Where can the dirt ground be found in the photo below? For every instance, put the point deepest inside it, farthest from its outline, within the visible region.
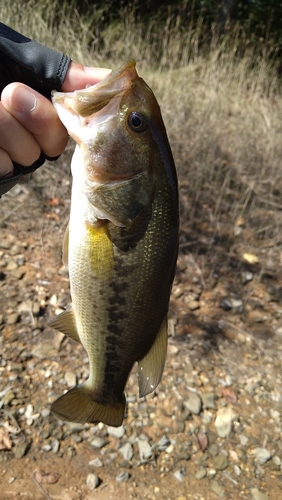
(211, 430)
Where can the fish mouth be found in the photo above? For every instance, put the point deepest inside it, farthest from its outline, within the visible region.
(91, 100)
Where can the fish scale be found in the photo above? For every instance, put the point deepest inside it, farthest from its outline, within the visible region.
(121, 244)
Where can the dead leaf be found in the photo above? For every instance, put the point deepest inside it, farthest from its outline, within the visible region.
(46, 477)
(5, 441)
(229, 395)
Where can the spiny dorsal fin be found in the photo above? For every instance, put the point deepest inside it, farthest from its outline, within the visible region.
(65, 323)
(150, 368)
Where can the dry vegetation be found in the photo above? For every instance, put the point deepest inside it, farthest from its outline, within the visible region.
(222, 112)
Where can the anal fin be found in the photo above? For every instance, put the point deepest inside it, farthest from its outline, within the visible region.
(65, 323)
(150, 368)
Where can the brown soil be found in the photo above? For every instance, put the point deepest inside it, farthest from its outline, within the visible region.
(225, 339)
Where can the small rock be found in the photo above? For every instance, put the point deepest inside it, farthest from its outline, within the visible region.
(92, 481)
(262, 455)
(126, 451)
(12, 319)
(243, 439)
(237, 470)
(217, 488)
(163, 443)
(70, 378)
(8, 397)
(179, 474)
(74, 427)
(194, 403)
(247, 276)
(193, 305)
(208, 400)
(116, 432)
(55, 445)
(201, 473)
(211, 473)
(223, 421)
(98, 442)
(21, 449)
(258, 495)
(123, 476)
(96, 462)
(220, 461)
(145, 450)
(47, 447)
(12, 265)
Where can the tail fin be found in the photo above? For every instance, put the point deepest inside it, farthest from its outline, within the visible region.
(78, 405)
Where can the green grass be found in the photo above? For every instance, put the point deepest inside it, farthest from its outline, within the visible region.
(222, 112)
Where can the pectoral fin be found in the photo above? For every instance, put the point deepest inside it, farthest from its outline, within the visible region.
(65, 323)
(150, 368)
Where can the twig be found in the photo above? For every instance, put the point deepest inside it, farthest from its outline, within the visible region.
(41, 488)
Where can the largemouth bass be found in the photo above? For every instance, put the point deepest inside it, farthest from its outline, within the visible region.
(121, 244)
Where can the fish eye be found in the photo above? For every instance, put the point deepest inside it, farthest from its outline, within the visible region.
(137, 122)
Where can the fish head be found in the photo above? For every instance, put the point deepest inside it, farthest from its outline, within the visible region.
(114, 124)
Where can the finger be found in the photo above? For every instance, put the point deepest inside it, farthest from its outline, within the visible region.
(78, 76)
(17, 142)
(37, 114)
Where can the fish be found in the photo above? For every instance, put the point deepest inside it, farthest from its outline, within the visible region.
(121, 243)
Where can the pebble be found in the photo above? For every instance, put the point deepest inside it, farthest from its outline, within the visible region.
(223, 421)
(74, 427)
(123, 476)
(145, 450)
(201, 473)
(193, 305)
(70, 378)
(98, 442)
(243, 439)
(92, 481)
(262, 455)
(116, 432)
(258, 495)
(211, 473)
(55, 445)
(220, 461)
(217, 488)
(179, 474)
(21, 449)
(126, 451)
(96, 462)
(208, 400)
(12, 318)
(193, 403)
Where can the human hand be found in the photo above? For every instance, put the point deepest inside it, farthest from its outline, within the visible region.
(29, 123)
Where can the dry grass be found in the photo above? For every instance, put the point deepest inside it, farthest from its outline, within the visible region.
(222, 112)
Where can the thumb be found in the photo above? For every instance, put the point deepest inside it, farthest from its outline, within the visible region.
(78, 76)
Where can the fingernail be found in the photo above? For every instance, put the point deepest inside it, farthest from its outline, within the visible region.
(22, 100)
(97, 72)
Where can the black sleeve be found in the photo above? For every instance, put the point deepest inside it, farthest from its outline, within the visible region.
(43, 69)
(29, 62)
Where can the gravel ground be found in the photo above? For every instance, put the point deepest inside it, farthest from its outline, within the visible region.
(211, 430)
